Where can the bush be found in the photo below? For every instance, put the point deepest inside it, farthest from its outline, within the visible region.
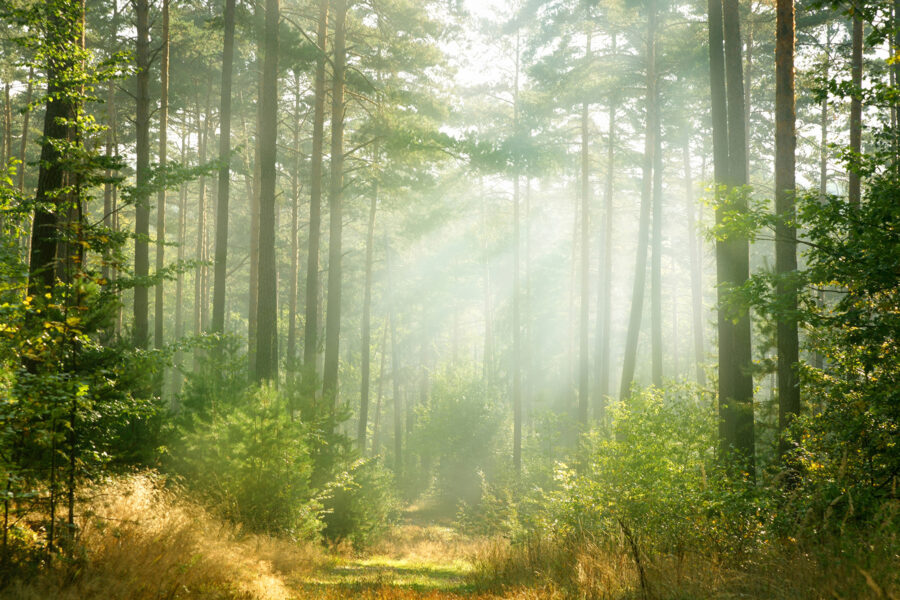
(360, 505)
(252, 464)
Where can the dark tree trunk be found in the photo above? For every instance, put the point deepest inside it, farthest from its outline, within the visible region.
(202, 142)
(267, 304)
(311, 325)
(785, 233)
(221, 266)
(142, 155)
(735, 357)
(23, 147)
(335, 203)
(295, 240)
(179, 280)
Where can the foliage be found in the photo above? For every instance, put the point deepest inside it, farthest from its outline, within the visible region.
(251, 462)
(360, 505)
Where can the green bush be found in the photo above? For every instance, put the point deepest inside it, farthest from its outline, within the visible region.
(360, 504)
(252, 464)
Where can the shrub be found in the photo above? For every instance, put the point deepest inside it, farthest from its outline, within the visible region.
(360, 505)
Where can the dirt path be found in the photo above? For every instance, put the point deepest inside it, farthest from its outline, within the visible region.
(417, 561)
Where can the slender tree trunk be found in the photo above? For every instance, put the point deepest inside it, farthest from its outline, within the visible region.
(735, 356)
(311, 325)
(295, 240)
(376, 434)
(696, 266)
(395, 369)
(366, 328)
(335, 202)
(7, 126)
(267, 304)
(221, 266)
(584, 317)
(159, 315)
(202, 142)
(108, 209)
(640, 268)
(142, 154)
(748, 77)
(856, 60)
(604, 292)
(785, 233)
(656, 343)
(515, 369)
(488, 358)
(179, 281)
(23, 147)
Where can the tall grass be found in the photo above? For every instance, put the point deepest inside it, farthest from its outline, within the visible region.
(137, 541)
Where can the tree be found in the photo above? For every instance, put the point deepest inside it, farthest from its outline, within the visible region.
(142, 170)
(221, 270)
(335, 203)
(785, 233)
(159, 316)
(266, 366)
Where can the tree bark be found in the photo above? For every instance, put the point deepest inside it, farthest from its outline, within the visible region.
(221, 264)
(311, 326)
(142, 156)
(295, 240)
(267, 304)
(656, 343)
(367, 329)
(202, 142)
(159, 315)
(584, 317)
(335, 202)
(640, 268)
(696, 265)
(785, 233)
(23, 147)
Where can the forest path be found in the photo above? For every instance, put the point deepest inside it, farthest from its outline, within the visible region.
(423, 558)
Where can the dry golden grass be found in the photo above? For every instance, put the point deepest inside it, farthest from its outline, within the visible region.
(544, 570)
(142, 542)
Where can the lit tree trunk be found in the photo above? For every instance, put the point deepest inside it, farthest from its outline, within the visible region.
(656, 350)
(376, 434)
(142, 154)
(856, 59)
(295, 231)
(696, 267)
(395, 369)
(108, 208)
(785, 233)
(202, 140)
(488, 358)
(640, 268)
(159, 316)
(7, 127)
(366, 328)
(179, 281)
(516, 317)
(335, 202)
(221, 266)
(267, 303)
(311, 325)
(584, 317)
(604, 293)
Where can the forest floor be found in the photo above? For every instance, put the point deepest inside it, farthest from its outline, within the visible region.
(425, 557)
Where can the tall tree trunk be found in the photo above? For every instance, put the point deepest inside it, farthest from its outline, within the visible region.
(487, 372)
(267, 304)
(295, 232)
(376, 434)
(735, 356)
(159, 315)
(604, 292)
(311, 325)
(584, 317)
(221, 266)
(640, 268)
(142, 156)
(515, 369)
(202, 142)
(179, 280)
(395, 368)
(785, 233)
(23, 145)
(856, 60)
(656, 343)
(108, 209)
(696, 265)
(7, 127)
(366, 329)
(335, 203)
